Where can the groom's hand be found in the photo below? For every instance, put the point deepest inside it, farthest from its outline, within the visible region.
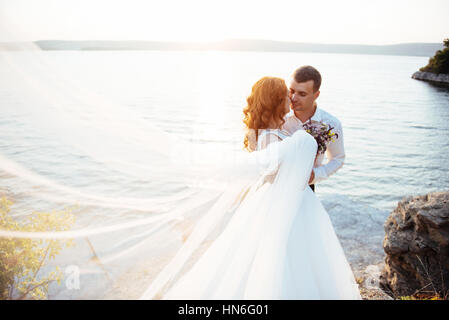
(312, 176)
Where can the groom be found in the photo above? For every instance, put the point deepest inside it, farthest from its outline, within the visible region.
(303, 92)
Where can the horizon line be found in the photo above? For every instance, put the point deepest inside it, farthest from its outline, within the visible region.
(233, 39)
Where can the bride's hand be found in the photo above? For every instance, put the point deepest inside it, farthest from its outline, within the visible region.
(312, 176)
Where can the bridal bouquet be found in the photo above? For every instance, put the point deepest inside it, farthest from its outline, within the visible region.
(322, 133)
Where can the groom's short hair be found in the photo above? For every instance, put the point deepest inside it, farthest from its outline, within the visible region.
(306, 73)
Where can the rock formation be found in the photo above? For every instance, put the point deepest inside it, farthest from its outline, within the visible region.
(431, 77)
(416, 244)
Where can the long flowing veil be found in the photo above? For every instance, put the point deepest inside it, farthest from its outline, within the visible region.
(124, 242)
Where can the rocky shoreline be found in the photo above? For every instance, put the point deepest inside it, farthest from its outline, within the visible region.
(416, 252)
(417, 246)
(431, 77)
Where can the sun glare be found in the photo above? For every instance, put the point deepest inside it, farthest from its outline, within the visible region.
(321, 21)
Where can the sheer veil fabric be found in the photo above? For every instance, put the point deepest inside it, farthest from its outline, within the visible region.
(116, 237)
(224, 234)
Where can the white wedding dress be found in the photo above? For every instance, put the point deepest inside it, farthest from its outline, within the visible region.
(278, 244)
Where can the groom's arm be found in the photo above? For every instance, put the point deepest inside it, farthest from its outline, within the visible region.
(335, 154)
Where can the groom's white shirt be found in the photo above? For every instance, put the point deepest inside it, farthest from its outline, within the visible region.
(335, 152)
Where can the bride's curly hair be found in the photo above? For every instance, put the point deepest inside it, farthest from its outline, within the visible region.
(266, 102)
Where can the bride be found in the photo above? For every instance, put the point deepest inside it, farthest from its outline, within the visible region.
(279, 242)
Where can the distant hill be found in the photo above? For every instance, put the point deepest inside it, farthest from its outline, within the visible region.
(405, 49)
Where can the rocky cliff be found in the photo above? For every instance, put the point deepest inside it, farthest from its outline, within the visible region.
(416, 244)
(431, 77)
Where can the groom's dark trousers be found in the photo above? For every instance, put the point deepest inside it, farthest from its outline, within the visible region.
(312, 186)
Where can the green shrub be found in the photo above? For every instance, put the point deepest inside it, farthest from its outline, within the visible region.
(439, 63)
(21, 259)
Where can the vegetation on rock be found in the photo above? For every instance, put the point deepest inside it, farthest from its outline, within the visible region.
(439, 63)
(22, 260)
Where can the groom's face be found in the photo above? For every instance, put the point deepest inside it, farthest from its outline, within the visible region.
(302, 96)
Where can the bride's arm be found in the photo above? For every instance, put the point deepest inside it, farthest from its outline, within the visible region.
(297, 153)
(267, 139)
(270, 174)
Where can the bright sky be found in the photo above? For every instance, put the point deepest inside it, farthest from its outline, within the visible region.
(318, 21)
